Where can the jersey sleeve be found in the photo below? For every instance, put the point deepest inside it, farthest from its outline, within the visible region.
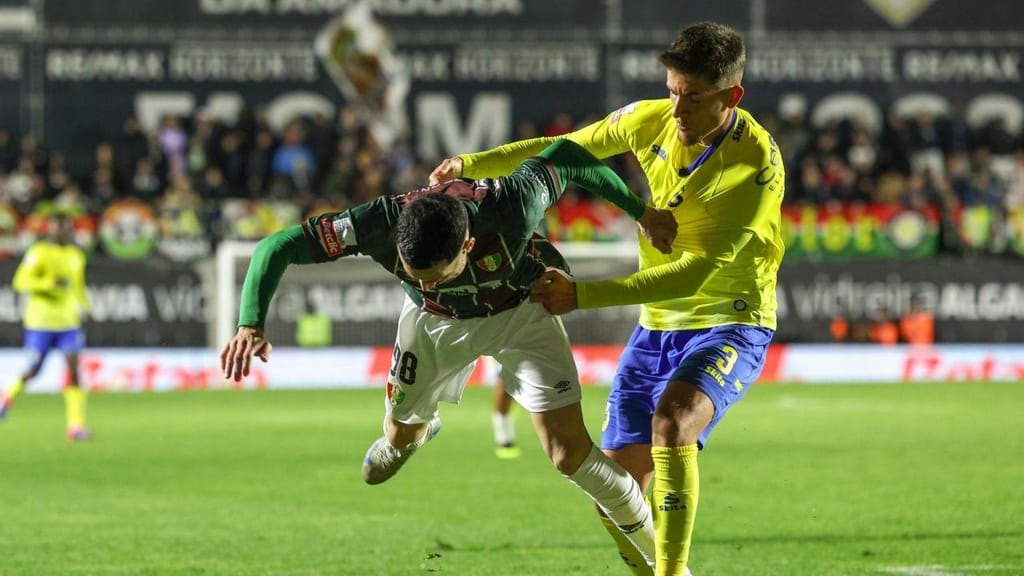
(607, 137)
(573, 163)
(526, 194)
(611, 135)
(365, 229)
(271, 258)
(31, 274)
(502, 160)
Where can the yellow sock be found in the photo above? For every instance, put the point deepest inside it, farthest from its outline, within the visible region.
(13, 389)
(629, 554)
(676, 488)
(74, 405)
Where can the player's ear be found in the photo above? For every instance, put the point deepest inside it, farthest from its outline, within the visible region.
(467, 246)
(735, 95)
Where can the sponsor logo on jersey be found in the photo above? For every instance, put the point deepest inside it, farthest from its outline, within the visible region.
(659, 151)
(738, 132)
(395, 394)
(627, 109)
(490, 262)
(330, 238)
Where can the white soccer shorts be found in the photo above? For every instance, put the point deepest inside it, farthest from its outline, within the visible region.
(434, 358)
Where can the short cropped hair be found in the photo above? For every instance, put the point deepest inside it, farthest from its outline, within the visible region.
(710, 51)
(430, 229)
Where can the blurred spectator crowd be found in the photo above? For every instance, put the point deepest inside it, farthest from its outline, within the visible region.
(330, 163)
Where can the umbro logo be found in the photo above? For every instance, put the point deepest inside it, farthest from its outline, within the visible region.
(563, 386)
(671, 503)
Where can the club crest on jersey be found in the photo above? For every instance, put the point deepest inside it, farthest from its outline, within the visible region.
(395, 394)
(490, 263)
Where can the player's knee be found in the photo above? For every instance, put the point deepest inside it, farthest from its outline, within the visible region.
(674, 429)
(567, 458)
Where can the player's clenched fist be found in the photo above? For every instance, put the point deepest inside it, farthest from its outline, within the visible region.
(448, 168)
(659, 227)
(555, 291)
(236, 358)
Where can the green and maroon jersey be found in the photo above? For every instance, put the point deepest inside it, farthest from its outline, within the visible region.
(503, 215)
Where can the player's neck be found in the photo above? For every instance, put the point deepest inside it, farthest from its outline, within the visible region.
(710, 136)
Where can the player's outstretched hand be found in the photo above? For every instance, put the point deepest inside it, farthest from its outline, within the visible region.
(659, 227)
(555, 291)
(236, 358)
(448, 168)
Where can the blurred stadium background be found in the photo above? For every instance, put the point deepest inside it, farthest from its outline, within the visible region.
(178, 133)
(173, 133)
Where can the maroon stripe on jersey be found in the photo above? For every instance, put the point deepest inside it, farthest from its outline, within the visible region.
(474, 191)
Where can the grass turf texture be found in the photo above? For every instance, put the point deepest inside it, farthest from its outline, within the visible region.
(798, 480)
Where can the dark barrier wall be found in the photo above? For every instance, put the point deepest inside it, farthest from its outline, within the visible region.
(972, 301)
(134, 304)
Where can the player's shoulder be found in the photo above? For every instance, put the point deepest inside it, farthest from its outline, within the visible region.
(750, 134)
(39, 249)
(641, 112)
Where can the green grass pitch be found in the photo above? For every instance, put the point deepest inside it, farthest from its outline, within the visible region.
(798, 481)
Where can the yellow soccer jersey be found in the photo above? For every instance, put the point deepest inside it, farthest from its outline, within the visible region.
(53, 276)
(725, 260)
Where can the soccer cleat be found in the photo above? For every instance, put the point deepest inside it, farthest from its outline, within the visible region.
(383, 460)
(78, 434)
(508, 451)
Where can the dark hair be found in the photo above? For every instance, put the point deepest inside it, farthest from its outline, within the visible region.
(710, 51)
(430, 229)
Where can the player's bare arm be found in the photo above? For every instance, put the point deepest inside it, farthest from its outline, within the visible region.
(236, 358)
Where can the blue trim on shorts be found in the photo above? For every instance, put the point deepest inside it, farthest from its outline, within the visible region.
(723, 362)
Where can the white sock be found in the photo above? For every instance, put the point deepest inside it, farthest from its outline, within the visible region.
(504, 428)
(615, 491)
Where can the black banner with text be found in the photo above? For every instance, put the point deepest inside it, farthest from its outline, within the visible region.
(134, 304)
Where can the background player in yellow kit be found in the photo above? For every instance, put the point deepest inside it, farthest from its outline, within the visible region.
(708, 310)
(52, 274)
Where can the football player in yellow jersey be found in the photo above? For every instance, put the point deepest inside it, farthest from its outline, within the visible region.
(52, 274)
(708, 308)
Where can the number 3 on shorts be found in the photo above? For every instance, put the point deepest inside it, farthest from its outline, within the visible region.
(724, 364)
